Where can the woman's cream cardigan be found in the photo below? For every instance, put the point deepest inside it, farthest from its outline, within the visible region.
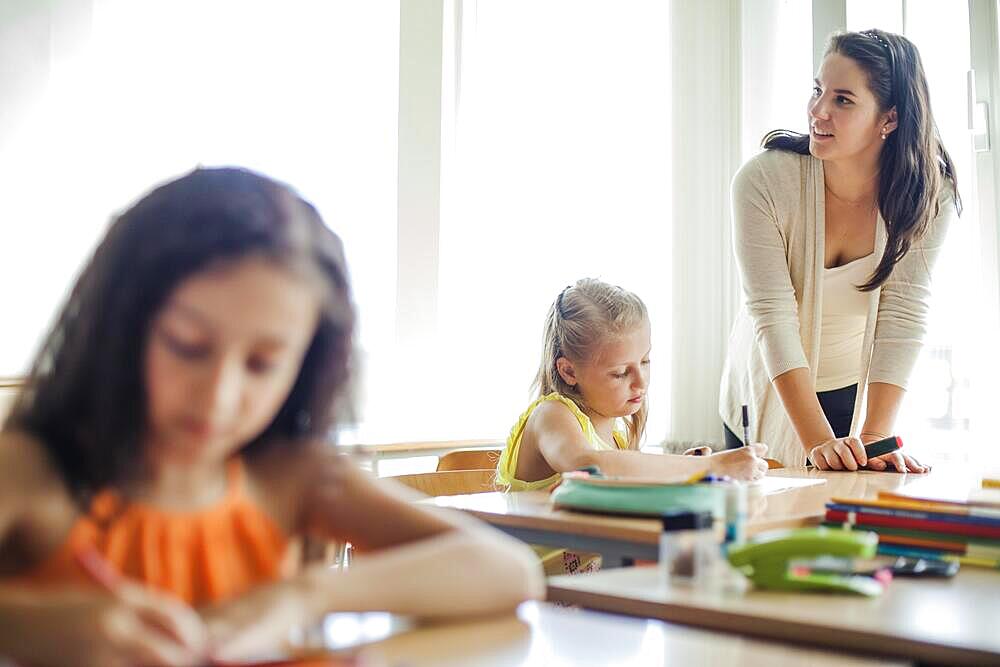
(778, 228)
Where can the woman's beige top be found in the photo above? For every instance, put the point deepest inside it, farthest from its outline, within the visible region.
(778, 229)
(842, 332)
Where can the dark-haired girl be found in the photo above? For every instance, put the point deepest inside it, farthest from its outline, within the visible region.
(835, 234)
(171, 436)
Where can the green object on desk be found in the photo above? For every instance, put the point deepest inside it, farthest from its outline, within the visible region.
(609, 496)
(765, 559)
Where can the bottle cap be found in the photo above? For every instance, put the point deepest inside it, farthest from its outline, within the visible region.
(685, 520)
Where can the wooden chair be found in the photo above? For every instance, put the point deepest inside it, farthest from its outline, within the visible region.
(8, 392)
(447, 483)
(469, 459)
(450, 482)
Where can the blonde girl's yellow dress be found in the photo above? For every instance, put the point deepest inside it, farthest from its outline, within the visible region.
(555, 561)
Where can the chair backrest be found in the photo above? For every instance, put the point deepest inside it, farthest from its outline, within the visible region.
(450, 482)
(8, 392)
(469, 459)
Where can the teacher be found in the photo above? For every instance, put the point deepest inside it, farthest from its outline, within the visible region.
(835, 234)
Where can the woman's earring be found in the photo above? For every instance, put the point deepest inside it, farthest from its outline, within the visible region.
(883, 134)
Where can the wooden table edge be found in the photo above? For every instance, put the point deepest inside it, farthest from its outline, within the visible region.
(446, 445)
(783, 630)
(559, 525)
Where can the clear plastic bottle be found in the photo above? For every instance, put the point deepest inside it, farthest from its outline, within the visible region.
(736, 514)
(689, 549)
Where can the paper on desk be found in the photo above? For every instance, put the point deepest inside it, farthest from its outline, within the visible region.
(769, 485)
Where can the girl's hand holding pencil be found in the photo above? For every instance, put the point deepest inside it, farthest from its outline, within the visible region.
(742, 463)
(143, 627)
(126, 625)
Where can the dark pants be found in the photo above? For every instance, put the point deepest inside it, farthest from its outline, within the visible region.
(838, 406)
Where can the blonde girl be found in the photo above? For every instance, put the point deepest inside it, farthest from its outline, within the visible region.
(592, 379)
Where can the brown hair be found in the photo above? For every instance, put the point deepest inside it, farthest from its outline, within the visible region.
(85, 396)
(913, 166)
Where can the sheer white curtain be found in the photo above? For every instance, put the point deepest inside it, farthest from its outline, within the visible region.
(560, 169)
(948, 410)
(595, 139)
(706, 127)
(104, 98)
(777, 68)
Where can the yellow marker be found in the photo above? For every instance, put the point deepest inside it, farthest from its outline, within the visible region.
(697, 477)
(991, 483)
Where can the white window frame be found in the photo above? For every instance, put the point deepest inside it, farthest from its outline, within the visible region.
(985, 84)
(421, 37)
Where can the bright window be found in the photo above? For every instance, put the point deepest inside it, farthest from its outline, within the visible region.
(777, 69)
(561, 170)
(138, 92)
(940, 414)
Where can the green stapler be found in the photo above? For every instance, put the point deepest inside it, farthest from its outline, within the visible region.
(795, 560)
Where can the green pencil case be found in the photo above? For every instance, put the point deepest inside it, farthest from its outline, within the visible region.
(606, 495)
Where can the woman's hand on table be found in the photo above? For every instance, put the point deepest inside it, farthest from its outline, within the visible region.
(895, 461)
(839, 454)
(849, 454)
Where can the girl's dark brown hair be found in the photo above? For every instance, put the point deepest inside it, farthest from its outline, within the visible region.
(85, 396)
(914, 165)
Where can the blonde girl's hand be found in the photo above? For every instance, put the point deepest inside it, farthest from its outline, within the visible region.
(839, 454)
(257, 622)
(744, 463)
(130, 626)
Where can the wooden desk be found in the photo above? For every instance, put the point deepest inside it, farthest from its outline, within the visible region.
(544, 634)
(951, 622)
(11, 382)
(7, 397)
(529, 516)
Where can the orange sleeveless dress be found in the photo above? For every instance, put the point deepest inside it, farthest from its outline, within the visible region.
(200, 557)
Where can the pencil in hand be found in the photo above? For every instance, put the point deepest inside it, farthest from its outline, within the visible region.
(134, 594)
(99, 570)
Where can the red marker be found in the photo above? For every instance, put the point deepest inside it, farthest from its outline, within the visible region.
(883, 446)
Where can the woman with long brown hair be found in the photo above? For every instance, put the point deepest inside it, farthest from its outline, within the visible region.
(835, 234)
